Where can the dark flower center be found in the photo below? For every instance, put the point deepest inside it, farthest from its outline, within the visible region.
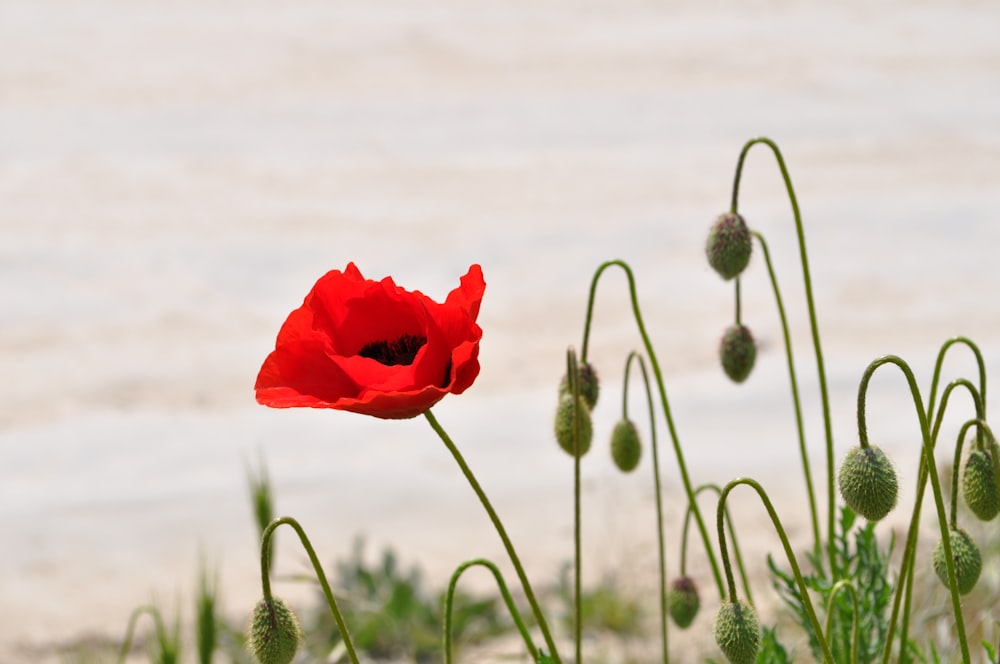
(392, 353)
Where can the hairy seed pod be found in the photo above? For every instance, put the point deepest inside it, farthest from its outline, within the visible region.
(965, 555)
(979, 485)
(589, 385)
(868, 482)
(565, 414)
(737, 351)
(737, 632)
(682, 601)
(729, 245)
(275, 633)
(625, 446)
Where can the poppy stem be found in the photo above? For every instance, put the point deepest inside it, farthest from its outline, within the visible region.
(501, 531)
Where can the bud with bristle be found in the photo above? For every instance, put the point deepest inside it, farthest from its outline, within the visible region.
(729, 245)
(737, 632)
(966, 558)
(738, 351)
(566, 412)
(979, 485)
(683, 602)
(625, 446)
(868, 482)
(275, 633)
(589, 384)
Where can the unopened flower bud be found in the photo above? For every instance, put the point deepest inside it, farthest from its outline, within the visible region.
(737, 632)
(625, 446)
(737, 352)
(965, 556)
(979, 485)
(868, 482)
(275, 633)
(682, 601)
(729, 244)
(565, 433)
(589, 384)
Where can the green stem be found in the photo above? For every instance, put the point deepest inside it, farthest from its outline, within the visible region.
(501, 531)
(657, 491)
(655, 365)
(504, 592)
(732, 534)
(130, 629)
(904, 583)
(265, 576)
(845, 584)
(807, 281)
(573, 374)
(928, 454)
(803, 590)
(796, 401)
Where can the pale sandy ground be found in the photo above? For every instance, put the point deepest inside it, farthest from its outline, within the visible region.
(174, 176)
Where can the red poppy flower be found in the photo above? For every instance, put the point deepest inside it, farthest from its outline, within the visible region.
(372, 347)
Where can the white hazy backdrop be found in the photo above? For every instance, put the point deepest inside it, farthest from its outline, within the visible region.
(175, 176)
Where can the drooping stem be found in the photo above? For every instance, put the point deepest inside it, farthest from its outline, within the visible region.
(732, 534)
(780, 530)
(501, 531)
(133, 619)
(504, 592)
(814, 325)
(265, 576)
(658, 375)
(796, 401)
(657, 491)
(904, 583)
(928, 454)
(845, 585)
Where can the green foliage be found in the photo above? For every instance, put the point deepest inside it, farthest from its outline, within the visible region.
(771, 650)
(605, 607)
(868, 569)
(206, 621)
(390, 615)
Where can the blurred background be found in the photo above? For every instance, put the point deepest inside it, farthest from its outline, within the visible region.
(175, 176)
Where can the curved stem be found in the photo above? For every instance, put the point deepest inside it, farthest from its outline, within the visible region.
(928, 454)
(732, 534)
(940, 361)
(796, 401)
(807, 282)
(657, 491)
(845, 584)
(803, 590)
(658, 374)
(904, 583)
(501, 531)
(504, 592)
(130, 629)
(265, 576)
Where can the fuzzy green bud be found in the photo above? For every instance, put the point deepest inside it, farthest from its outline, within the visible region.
(682, 601)
(625, 446)
(979, 485)
(729, 245)
(966, 558)
(589, 384)
(737, 632)
(737, 351)
(868, 482)
(275, 633)
(566, 412)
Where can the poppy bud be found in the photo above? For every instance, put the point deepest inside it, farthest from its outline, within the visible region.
(868, 482)
(737, 352)
(274, 632)
(589, 386)
(625, 446)
(729, 244)
(737, 632)
(965, 555)
(979, 485)
(565, 414)
(682, 601)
